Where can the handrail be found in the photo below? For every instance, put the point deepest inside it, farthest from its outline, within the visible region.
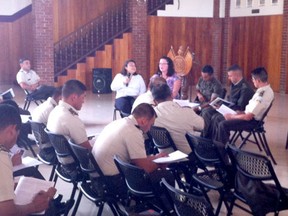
(154, 5)
(83, 42)
(90, 37)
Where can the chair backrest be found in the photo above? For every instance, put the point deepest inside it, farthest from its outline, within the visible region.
(41, 136)
(137, 180)
(185, 204)
(252, 165)
(261, 122)
(87, 162)
(162, 138)
(259, 174)
(204, 149)
(62, 148)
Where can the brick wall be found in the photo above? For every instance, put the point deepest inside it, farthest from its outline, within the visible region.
(225, 42)
(138, 16)
(216, 49)
(284, 62)
(43, 60)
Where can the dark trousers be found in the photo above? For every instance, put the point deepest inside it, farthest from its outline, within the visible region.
(43, 92)
(207, 115)
(124, 104)
(222, 132)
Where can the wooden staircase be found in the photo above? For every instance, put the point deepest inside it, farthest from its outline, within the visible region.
(115, 49)
(113, 56)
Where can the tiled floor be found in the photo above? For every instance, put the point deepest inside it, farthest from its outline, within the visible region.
(98, 111)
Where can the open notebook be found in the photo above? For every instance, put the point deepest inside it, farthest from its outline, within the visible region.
(9, 94)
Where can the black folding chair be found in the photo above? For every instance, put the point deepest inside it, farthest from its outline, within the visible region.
(140, 186)
(162, 139)
(29, 98)
(186, 204)
(258, 131)
(68, 168)
(258, 171)
(216, 175)
(90, 167)
(47, 153)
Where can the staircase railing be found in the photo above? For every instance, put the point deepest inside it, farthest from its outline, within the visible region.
(83, 42)
(91, 37)
(154, 5)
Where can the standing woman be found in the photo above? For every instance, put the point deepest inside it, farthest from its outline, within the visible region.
(166, 70)
(128, 84)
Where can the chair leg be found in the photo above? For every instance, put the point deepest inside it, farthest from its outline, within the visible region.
(77, 203)
(52, 173)
(26, 104)
(265, 145)
(286, 147)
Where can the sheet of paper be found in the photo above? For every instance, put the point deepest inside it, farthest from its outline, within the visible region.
(172, 157)
(27, 162)
(25, 118)
(219, 101)
(185, 103)
(225, 110)
(28, 187)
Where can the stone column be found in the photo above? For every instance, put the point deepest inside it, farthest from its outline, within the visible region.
(43, 44)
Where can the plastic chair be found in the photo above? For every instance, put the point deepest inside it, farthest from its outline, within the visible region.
(186, 204)
(216, 175)
(140, 186)
(47, 153)
(90, 167)
(255, 167)
(162, 139)
(29, 98)
(258, 131)
(68, 168)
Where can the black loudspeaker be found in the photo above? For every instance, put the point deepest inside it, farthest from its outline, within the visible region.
(102, 78)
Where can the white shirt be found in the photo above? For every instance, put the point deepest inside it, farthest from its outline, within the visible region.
(143, 98)
(30, 77)
(178, 121)
(41, 113)
(260, 102)
(6, 183)
(64, 120)
(122, 138)
(135, 87)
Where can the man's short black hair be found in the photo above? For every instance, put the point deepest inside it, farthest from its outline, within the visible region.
(9, 115)
(208, 69)
(73, 86)
(161, 92)
(234, 67)
(260, 73)
(21, 60)
(144, 110)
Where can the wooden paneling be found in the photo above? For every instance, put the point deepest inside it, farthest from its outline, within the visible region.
(71, 14)
(252, 42)
(15, 42)
(257, 41)
(196, 33)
